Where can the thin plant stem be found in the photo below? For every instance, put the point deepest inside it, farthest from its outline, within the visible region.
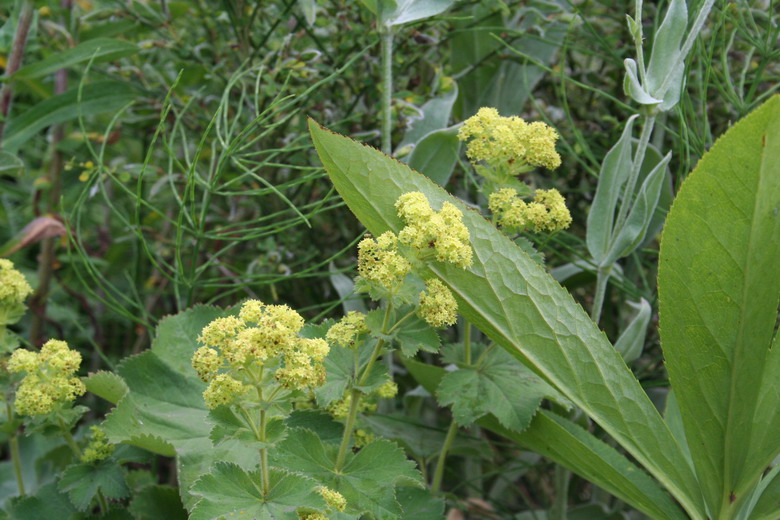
(15, 61)
(386, 44)
(561, 501)
(355, 394)
(639, 156)
(438, 473)
(602, 278)
(348, 426)
(467, 343)
(13, 444)
(264, 474)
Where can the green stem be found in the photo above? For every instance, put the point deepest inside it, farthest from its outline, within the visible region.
(13, 444)
(602, 278)
(438, 473)
(628, 192)
(386, 42)
(350, 424)
(559, 506)
(356, 394)
(265, 476)
(69, 440)
(467, 343)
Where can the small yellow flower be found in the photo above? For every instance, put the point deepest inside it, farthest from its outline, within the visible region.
(334, 499)
(380, 263)
(346, 332)
(223, 389)
(362, 438)
(437, 305)
(441, 233)
(547, 212)
(49, 382)
(509, 144)
(98, 448)
(206, 362)
(387, 390)
(13, 285)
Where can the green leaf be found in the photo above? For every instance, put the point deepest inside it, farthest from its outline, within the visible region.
(309, 9)
(419, 504)
(10, 164)
(435, 115)
(327, 429)
(631, 235)
(719, 284)
(633, 87)
(614, 172)
(229, 426)
(567, 444)
(230, 491)
(156, 502)
(163, 411)
(96, 98)
(339, 366)
(516, 303)
(436, 155)
(407, 11)
(367, 480)
(415, 334)
(107, 385)
(83, 481)
(47, 502)
(665, 58)
(500, 385)
(632, 339)
(767, 506)
(97, 50)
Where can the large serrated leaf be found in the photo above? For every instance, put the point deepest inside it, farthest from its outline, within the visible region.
(107, 385)
(719, 285)
(522, 308)
(163, 410)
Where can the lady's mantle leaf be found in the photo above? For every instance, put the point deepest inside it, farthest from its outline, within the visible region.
(83, 481)
(501, 386)
(230, 492)
(367, 480)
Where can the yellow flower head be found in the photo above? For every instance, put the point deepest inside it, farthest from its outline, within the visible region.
(49, 382)
(547, 212)
(427, 231)
(437, 305)
(509, 143)
(223, 389)
(340, 409)
(14, 289)
(346, 332)
(235, 348)
(362, 438)
(387, 390)
(98, 448)
(334, 499)
(380, 263)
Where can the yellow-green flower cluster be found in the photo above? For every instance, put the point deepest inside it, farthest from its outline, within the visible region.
(312, 516)
(427, 231)
(509, 144)
(340, 409)
(346, 332)
(362, 438)
(437, 304)
(49, 382)
(13, 291)
(98, 448)
(333, 499)
(547, 212)
(235, 348)
(388, 390)
(380, 263)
